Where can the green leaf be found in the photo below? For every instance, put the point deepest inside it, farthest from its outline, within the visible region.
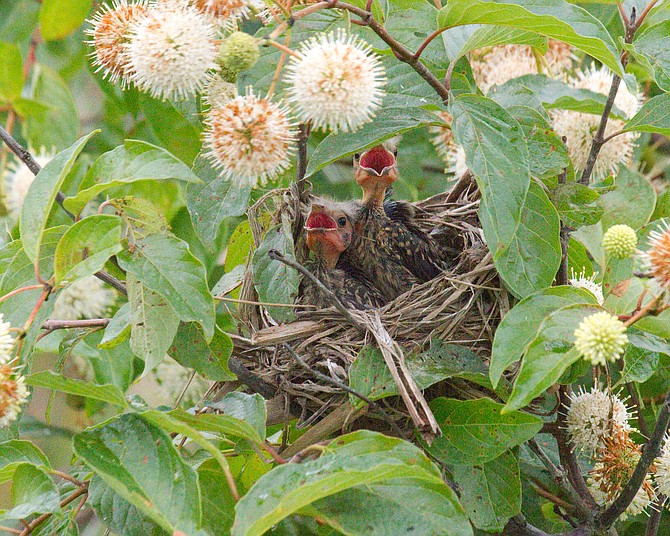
(577, 204)
(15, 452)
(226, 425)
(133, 161)
(86, 247)
(275, 282)
(632, 202)
(520, 326)
(213, 200)
(552, 18)
(490, 36)
(239, 247)
(117, 513)
(654, 116)
(59, 18)
(652, 50)
(388, 123)
(138, 461)
(520, 223)
(54, 121)
(51, 380)
(33, 492)
(165, 265)
(357, 459)
(491, 492)
(370, 376)
(175, 125)
(549, 355)
(41, 197)
(248, 408)
(191, 350)
(218, 504)
(476, 432)
(11, 72)
(383, 509)
(118, 330)
(153, 323)
(642, 355)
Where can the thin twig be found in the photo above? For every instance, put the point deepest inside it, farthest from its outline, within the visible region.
(25, 156)
(266, 304)
(281, 47)
(651, 450)
(562, 275)
(655, 517)
(52, 325)
(10, 530)
(644, 13)
(67, 477)
(83, 490)
(298, 15)
(427, 42)
(301, 167)
(18, 291)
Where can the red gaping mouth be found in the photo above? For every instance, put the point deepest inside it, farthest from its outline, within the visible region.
(318, 221)
(377, 159)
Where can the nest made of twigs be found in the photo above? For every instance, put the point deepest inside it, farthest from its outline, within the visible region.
(460, 307)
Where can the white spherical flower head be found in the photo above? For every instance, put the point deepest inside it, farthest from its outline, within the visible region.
(218, 92)
(336, 83)
(451, 153)
(13, 394)
(620, 241)
(85, 298)
(6, 341)
(502, 63)
(657, 258)
(19, 178)
(109, 34)
(592, 416)
(249, 139)
(601, 337)
(588, 283)
(171, 51)
(579, 128)
(226, 11)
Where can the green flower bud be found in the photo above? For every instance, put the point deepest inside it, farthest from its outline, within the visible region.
(620, 242)
(238, 52)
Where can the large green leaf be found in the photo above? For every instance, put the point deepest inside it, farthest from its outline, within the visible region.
(654, 116)
(520, 325)
(153, 323)
(210, 359)
(59, 18)
(41, 197)
(632, 202)
(520, 223)
(642, 355)
(118, 329)
(489, 36)
(490, 492)
(383, 509)
(218, 504)
(389, 122)
(358, 459)
(244, 407)
(54, 120)
(11, 72)
(213, 200)
(476, 432)
(552, 18)
(276, 282)
(133, 161)
(577, 204)
(165, 265)
(370, 376)
(86, 247)
(138, 461)
(226, 425)
(15, 452)
(51, 380)
(652, 50)
(549, 355)
(117, 513)
(33, 492)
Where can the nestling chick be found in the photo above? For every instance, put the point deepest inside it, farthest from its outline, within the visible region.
(329, 230)
(392, 252)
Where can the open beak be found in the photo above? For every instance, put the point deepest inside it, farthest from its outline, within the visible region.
(377, 161)
(319, 221)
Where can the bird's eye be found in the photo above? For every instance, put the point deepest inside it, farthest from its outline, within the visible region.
(342, 221)
(357, 156)
(395, 152)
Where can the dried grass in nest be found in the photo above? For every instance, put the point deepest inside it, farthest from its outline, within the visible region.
(462, 307)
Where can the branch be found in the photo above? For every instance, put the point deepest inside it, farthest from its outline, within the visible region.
(34, 167)
(303, 137)
(655, 517)
(82, 490)
(562, 275)
(53, 325)
(651, 451)
(402, 53)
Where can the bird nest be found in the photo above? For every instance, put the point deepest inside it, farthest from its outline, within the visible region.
(460, 307)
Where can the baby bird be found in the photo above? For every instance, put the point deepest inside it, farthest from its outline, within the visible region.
(388, 248)
(329, 228)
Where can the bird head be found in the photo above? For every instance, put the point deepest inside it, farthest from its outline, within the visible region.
(375, 170)
(329, 230)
